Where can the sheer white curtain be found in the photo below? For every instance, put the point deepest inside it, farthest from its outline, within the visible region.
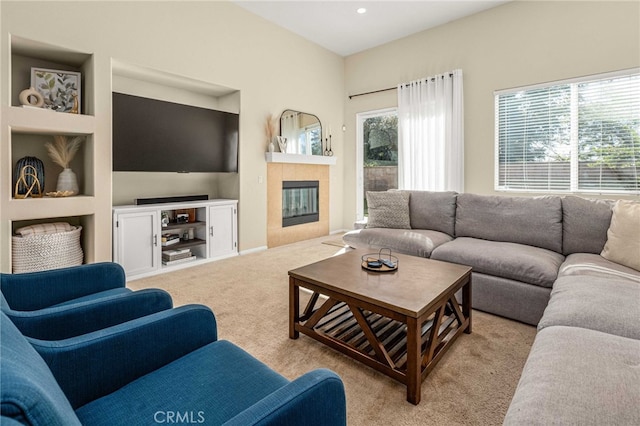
(431, 133)
(290, 128)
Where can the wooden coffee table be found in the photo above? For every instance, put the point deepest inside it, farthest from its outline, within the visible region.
(400, 323)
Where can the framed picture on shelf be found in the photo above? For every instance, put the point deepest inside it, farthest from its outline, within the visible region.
(60, 89)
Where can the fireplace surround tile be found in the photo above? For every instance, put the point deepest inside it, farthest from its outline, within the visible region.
(278, 172)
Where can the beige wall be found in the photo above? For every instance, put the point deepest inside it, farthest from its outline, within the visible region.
(219, 43)
(214, 42)
(519, 43)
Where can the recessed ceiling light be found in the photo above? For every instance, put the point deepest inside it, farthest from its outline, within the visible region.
(361, 10)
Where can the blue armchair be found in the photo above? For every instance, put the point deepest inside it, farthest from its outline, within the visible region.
(67, 302)
(167, 367)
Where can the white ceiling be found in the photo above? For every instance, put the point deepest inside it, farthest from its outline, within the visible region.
(336, 25)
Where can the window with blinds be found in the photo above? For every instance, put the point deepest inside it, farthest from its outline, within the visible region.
(581, 135)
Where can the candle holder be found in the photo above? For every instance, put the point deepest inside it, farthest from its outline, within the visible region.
(327, 147)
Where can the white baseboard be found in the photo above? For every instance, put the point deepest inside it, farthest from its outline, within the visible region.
(253, 250)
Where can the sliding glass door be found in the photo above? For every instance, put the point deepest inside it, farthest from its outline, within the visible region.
(377, 154)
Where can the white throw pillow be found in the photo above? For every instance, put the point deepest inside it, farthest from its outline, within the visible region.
(388, 210)
(623, 236)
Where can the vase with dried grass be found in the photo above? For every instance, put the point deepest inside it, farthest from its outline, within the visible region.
(270, 130)
(62, 151)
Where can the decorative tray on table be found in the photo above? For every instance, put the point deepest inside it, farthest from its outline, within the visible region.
(383, 261)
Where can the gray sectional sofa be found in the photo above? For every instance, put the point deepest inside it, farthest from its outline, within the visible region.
(536, 260)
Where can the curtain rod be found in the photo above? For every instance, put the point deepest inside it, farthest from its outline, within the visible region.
(390, 88)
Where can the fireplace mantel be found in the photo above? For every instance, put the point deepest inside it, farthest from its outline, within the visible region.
(279, 157)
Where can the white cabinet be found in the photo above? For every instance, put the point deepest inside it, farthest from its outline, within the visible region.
(222, 230)
(137, 242)
(154, 238)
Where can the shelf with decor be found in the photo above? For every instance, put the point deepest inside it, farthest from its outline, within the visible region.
(41, 121)
(34, 148)
(48, 141)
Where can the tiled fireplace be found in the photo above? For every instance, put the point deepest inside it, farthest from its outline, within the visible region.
(307, 204)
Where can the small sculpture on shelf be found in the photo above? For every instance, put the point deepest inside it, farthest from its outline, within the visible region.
(31, 98)
(62, 151)
(282, 143)
(75, 109)
(24, 179)
(28, 179)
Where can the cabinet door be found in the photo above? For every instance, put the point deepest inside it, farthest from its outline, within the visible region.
(137, 246)
(222, 230)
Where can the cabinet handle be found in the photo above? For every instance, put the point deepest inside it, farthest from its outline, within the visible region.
(155, 240)
(211, 231)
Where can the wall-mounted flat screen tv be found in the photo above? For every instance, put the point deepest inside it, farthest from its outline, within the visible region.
(158, 136)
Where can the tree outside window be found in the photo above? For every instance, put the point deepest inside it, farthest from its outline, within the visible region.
(380, 149)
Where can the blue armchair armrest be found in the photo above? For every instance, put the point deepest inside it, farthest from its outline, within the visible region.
(316, 398)
(63, 322)
(90, 366)
(24, 292)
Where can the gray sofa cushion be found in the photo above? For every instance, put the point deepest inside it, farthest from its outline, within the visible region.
(415, 242)
(596, 266)
(576, 376)
(611, 306)
(519, 262)
(508, 298)
(535, 221)
(585, 224)
(433, 210)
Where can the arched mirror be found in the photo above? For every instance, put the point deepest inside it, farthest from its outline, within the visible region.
(302, 131)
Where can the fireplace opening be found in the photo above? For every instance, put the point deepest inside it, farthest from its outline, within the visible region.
(300, 202)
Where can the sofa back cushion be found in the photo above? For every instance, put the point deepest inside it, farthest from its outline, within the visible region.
(29, 392)
(585, 224)
(433, 210)
(535, 221)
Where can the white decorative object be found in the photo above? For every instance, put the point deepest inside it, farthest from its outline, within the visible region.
(272, 147)
(282, 143)
(31, 97)
(67, 181)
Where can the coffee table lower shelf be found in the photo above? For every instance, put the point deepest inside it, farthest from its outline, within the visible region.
(404, 348)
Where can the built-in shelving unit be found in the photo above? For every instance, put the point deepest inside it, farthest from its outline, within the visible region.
(208, 231)
(25, 130)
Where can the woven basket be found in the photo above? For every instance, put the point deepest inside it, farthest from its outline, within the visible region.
(42, 252)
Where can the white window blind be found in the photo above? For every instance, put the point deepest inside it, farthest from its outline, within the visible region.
(576, 136)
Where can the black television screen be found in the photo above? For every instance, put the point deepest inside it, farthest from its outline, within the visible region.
(158, 136)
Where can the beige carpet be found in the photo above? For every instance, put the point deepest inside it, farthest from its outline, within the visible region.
(472, 385)
(337, 242)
